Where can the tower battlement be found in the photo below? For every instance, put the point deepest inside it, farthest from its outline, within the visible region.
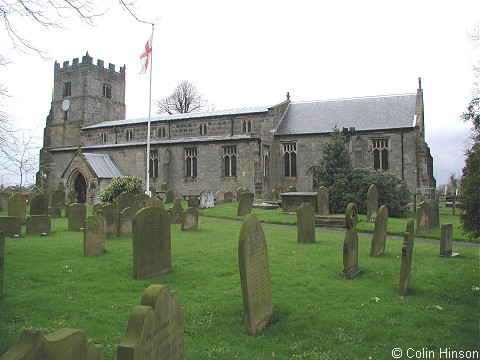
(87, 60)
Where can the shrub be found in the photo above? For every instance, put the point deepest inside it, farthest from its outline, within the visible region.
(470, 196)
(120, 185)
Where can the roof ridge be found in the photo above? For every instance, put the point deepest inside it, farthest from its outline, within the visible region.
(353, 98)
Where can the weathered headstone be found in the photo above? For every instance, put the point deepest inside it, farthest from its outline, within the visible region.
(190, 219)
(55, 212)
(58, 198)
(245, 204)
(2, 260)
(423, 218)
(67, 205)
(151, 243)
(434, 213)
(72, 195)
(446, 240)
(38, 225)
(323, 201)
(407, 251)
(193, 202)
(274, 194)
(372, 203)
(11, 226)
(124, 200)
(4, 201)
(169, 196)
(240, 190)
(125, 222)
(176, 212)
(17, 206)
(350, 243)
(219, 197)
(94, 235)
(206, 199)
(71, 344)
(77, 213)
(306, 224)
(228, 196)
(156, 327)
(109, 212)
(158, 202)
(254, 276)
(39, 205)
(142, 200)
(97, 207)
(379, 237)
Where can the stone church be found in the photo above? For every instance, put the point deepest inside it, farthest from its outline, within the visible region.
(88, 141)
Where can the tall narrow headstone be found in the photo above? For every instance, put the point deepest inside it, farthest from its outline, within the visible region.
(124, 200)
(254, 276)
(407, 251)
(323, 200)
(39, 205)
(2, 260)
(152, 248)
(176, 212)
(372, 203)
(17, 206)
(77, 213)
(125, 222)
(424, 221)
(190, 219)
(58, 198)
(306, 224)
(245, 204)
(274, 194)
(206, 199)
(94, 235)
(350, 243)
(169, 196)
(446, 240)
(379, 238)
(38, 225)
(434, 214)
(110, 213)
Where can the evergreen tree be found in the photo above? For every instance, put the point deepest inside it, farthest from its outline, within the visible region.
(470, 196)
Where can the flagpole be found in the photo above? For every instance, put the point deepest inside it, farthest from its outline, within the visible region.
(147, 190)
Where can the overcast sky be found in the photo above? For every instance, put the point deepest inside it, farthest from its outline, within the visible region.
(252, 53)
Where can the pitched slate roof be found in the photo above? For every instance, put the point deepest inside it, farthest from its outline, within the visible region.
(103, 166)
(366, 113)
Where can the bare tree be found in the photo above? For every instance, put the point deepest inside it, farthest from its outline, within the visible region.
(185, 99)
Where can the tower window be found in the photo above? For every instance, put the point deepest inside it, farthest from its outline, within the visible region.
(290, 159)
(191, 162)
(380, 154)
(153, 164)
(230, 161)
(129, 135)
(67, 89)
(107, 91)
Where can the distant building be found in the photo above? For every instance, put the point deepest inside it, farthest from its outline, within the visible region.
(88, 141)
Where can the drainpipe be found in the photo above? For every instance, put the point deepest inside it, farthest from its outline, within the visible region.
(403, 159)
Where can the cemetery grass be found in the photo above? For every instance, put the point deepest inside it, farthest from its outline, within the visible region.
(317, 314)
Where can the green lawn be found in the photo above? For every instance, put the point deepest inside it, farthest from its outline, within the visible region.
(48, 285)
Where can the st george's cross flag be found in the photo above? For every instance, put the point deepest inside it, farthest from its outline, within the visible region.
(146, 55)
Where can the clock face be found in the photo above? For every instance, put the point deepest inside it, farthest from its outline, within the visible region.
(65, 105)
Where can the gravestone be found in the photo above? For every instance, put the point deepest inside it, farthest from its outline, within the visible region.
(97, 207)
(142, 201)
(228, 196)
(124, 200)
(372, 203)
(38, 225)
(254, 276)
(434, 213)
(155, 327)
(125, 222)
(17, 206)
(169, 196)
(71, 344)
(158, 202)
(193, 202)
(2, 260)
(291, 188)
(94, 235)
(206, 199)
(39, 205)
(379, 237)
(306, 224)
(350, 243)
(72, 195)
(109, 212)
(151, 243)
(58, 198)
(55, 212)
(240, 190)
(446, 239)
(274, 194)
(77, 213)
(245, 204)
(190, 219)
(176, 212)
(407, 251)
(423, 218)
(4, 201)
(219, 197)
(67, 205)
(11, 226)
(323, 201)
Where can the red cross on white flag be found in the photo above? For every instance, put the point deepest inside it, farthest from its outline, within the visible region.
(145, 57)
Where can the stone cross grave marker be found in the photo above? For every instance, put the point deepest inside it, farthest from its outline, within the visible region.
(423, 218)
(306, 224)
(245, 204)
(39, 205)
(77, 213)
(372, 203)
(110, 213)
(38, 225)
(323, 201)
(94, 235)
(58, 198)
(155, 329)
(190, 219)
(254, 276)
(2, 260)
(17, 206)
(11, 226)
(446, 240)
(125, 222)
(228, 196)
(407, 251)
(379, 238)
(206, 199)
(124, 200)
(193, 202)
(176, 212)
(350, 243)
(152, 245)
